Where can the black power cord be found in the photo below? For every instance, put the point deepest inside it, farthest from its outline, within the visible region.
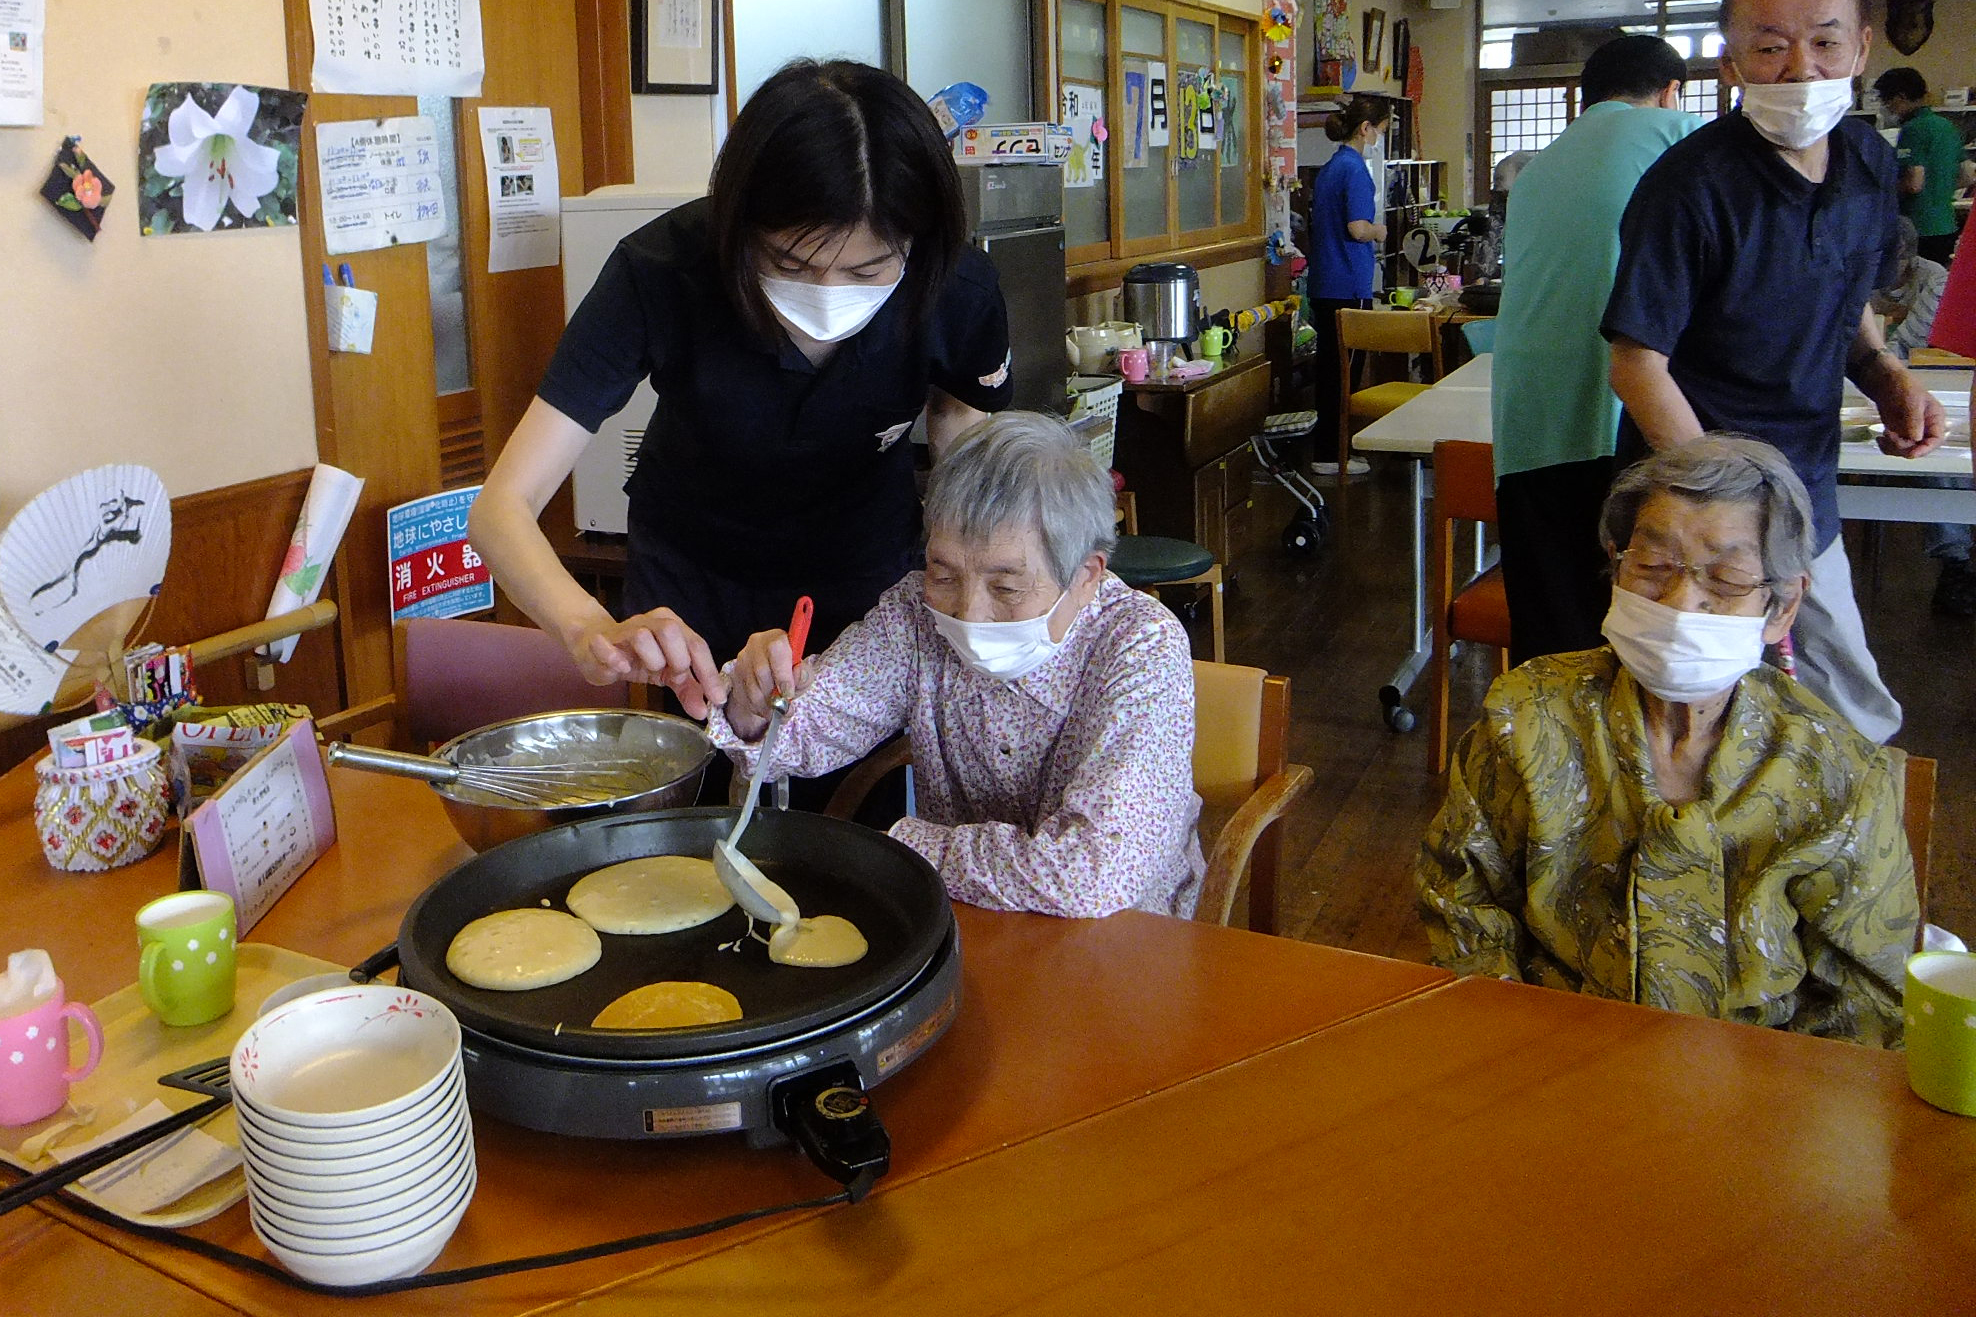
(824, 1110)
(458, 1275)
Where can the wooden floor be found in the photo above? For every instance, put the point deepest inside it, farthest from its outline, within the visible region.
(1336, 623)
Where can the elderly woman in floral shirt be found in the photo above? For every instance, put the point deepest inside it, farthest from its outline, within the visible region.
(1050, 706)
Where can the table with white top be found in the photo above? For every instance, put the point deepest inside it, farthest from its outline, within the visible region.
(1458, 408)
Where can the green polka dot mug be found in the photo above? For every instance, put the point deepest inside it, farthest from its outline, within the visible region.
(185, 956)
(1940, 1011)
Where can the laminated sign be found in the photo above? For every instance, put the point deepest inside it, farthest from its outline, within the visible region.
(434, 571)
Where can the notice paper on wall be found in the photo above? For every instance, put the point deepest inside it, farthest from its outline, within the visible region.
(255, 836)
(434, 571)
(398, 47)
(524, 194)
(22, 25)
(380, 183)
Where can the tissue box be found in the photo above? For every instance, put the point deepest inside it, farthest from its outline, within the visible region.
(1030, 143)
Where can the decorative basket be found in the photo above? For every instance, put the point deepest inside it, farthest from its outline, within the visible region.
(91, 819)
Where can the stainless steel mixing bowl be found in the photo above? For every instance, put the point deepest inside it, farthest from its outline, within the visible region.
(675, 753)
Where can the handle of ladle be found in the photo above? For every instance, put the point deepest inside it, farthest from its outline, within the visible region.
(799, 629)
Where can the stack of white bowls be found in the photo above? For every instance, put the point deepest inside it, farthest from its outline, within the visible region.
(352, 1107)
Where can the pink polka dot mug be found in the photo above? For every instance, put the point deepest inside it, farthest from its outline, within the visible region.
(35, 1073)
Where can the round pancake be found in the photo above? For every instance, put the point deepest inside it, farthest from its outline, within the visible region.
(658, 894)
(824, 942)
(515, 950)
(669, 1005)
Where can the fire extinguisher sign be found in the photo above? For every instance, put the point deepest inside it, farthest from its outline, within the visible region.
(434, 571)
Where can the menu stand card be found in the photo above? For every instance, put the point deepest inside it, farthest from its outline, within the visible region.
(271, 820)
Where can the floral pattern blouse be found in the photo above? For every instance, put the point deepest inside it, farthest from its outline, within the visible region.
(1069, 791)
(1783, 897)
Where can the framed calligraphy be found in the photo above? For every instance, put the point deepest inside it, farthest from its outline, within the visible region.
(675, 47)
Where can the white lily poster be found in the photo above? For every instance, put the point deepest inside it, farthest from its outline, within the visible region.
(217, 155)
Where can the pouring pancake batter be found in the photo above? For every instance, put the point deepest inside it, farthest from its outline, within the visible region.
(793, 324)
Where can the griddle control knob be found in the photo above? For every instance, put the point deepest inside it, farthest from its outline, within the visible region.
(828, 1115)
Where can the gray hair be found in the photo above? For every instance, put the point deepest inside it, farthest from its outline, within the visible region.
(1020, 471)
(1721, 467)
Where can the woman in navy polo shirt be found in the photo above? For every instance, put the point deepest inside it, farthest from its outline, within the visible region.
(793, 324)
(1344, 233)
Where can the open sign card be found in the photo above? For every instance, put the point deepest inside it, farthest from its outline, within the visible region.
(270, 821)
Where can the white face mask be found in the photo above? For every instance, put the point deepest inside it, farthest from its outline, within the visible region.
(1794, 115)
(1682, 657)
(1006, 651)
(827, 313)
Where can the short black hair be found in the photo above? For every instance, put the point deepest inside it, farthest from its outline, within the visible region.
(1631, 68)
(821, 147)
(1908, 84)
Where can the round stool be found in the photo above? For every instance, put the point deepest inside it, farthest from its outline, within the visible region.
(1146, 560)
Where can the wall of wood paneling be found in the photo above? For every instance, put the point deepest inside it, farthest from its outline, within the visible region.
(603, 53)
(375, 413)
(227, 546)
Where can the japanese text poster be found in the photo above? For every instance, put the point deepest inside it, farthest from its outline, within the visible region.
(434, 571)
(22, 26)
(398, 47)
(380, 183)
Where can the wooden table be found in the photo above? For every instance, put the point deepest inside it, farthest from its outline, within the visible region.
(1485, 1148)
(1061, 1021)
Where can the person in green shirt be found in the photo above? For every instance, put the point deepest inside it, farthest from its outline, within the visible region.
(1555, 419)
(1930, 152)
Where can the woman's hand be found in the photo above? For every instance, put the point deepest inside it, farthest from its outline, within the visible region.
(762, 668)
(655, 648)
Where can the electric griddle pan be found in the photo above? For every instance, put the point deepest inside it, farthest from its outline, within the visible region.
(830, 867)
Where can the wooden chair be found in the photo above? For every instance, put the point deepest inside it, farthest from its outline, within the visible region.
(1404, 333)
(1914, 778)
(1153, 562)
(1464, 490)
(1241, 772)
(451, 675)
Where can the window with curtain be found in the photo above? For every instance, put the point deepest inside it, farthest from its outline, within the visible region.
(1175, 86)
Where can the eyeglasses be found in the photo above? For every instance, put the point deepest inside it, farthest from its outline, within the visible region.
(1657, 572)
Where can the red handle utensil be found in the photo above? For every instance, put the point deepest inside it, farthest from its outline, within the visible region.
(799, 629)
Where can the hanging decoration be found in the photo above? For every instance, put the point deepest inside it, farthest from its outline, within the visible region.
(1336, 64)
(1402, 48)
(1279, 179)
(1910, 23)
(1416, 75)
(77, 188)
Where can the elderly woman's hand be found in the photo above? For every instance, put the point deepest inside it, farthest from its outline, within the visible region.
(762, 668)
(655, 648)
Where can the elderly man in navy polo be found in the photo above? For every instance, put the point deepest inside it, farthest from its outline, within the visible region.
(1747, 256)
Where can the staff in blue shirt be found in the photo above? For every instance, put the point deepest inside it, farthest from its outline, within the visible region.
(1555, 416)
(1344, 233)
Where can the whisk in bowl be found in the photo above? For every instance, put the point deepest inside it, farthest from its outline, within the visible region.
(537, 786)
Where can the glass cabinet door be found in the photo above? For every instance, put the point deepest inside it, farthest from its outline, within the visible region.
(1236, 149)
(1197, 176)
(1143, 37)
(1086, 207)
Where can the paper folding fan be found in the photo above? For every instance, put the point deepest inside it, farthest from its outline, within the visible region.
(81, 562)
(77, 188)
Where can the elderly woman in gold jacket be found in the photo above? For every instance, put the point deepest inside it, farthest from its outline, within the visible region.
(1667, 820)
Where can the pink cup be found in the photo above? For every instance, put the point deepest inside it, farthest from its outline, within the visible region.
(34, 1058)
(1134, 364)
